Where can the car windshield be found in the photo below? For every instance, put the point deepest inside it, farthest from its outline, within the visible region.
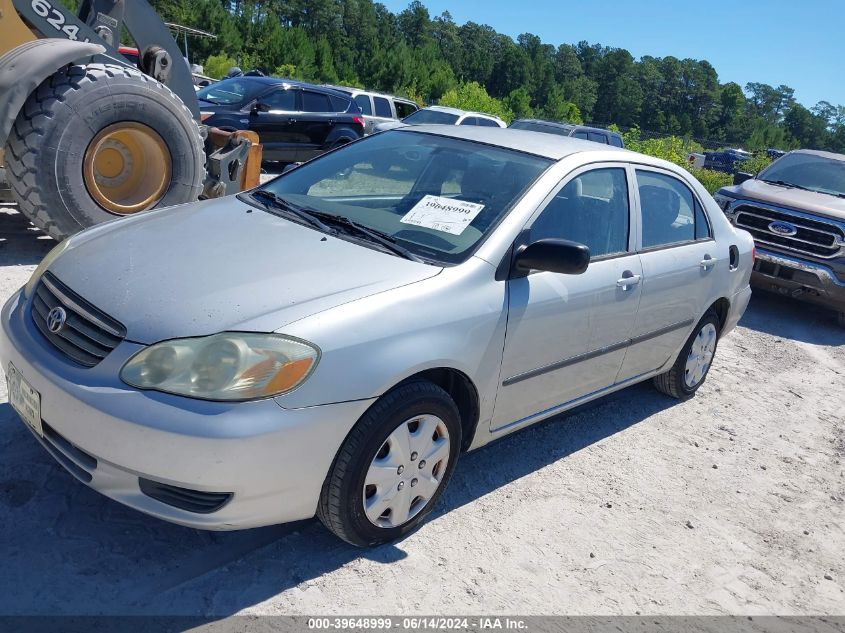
(808, 171)
(231, 91)
(436, 197)
(422, 117)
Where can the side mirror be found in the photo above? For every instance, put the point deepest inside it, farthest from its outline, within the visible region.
(552, 255)
(741, 176)
(260, 107)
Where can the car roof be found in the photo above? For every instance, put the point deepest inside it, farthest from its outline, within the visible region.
(364, 91)
(459, 112)
(816, 152)
(281, 81)
(528, 141)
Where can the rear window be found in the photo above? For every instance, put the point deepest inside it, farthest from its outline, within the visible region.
(316, 102)
(363, 102)
(383, 107)
(421, 117)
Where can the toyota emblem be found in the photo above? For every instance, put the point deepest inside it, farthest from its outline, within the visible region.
(56, 319)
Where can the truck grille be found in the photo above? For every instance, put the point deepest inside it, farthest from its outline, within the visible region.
(816, 238)
(88, 334)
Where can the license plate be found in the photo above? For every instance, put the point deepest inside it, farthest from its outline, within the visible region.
(24, 399)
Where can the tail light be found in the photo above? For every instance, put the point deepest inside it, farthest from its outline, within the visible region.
(753, 253)
(358, 120)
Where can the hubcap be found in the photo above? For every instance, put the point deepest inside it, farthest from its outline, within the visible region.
(394, 493)
(127, 168)
(700, 355)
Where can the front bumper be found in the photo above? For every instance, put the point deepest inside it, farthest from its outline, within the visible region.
(798, 278)
(273, 460)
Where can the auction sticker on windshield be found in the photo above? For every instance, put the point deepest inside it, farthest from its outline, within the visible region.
(443, 214)
(24, 399)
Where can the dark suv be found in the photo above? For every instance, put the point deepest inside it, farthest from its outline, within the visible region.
(595, 134)
(295, 121)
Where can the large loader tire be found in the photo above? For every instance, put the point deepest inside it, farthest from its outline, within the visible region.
(98, 142)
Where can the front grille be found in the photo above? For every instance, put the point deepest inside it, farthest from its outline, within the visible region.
(76, 461)
(816, 238)
(88, 335)
(184, 498)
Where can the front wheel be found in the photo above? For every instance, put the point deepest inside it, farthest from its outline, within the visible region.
(693, 363)
(393, 466)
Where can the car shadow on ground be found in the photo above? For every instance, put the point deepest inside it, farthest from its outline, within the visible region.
(20, 242)
(66, 549)
(792, 319)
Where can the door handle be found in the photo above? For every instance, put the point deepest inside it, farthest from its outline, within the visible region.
(291, 120)
(628, 281)
(707, 262)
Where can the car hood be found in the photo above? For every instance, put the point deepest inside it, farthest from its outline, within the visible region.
(219, 265)
(809, 201)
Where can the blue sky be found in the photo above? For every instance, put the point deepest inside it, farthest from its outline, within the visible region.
(797, 43)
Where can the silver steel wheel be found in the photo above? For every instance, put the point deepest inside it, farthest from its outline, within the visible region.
(406, 471)
(700, 355)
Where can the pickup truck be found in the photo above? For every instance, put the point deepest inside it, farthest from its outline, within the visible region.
(795, 210)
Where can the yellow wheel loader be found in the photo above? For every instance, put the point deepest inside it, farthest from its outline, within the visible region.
(87, 136)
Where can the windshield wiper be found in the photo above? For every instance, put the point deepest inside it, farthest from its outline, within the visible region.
(388, 241)
(303, 214)
(783, 183)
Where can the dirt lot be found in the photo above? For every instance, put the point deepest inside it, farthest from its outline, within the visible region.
(729, 503)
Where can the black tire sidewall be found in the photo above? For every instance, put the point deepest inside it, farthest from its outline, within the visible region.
(352, 488)
(681, 363)
(95, 106)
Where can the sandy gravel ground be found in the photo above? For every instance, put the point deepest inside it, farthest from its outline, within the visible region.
(729, 503)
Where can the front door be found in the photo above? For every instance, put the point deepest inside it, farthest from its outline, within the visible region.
(679, 258)
(567, 334)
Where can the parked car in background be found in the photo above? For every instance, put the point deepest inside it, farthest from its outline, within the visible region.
(795, 209)
(377, 107)
(586, 133)
(295, 121)
(441, 115)
(329, 343)
(728, 161)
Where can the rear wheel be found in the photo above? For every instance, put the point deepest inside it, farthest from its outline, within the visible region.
(393, 466)
(97, 142)
(693, 363)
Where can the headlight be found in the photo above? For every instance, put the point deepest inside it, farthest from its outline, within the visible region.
(228, 366)
(49, 258)
(722, 200)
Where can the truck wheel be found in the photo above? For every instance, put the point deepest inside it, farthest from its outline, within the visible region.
(98, 142)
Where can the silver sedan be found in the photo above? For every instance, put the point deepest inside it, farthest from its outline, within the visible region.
(331, 342)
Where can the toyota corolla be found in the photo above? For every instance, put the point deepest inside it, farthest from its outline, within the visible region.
(329, 343)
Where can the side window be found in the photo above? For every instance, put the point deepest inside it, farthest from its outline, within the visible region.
(339, 104)
(670, 213)
(470, 120)
(487, 122)
(597, 137)
(591, 209)
(615, 141)
(315, 102)
(284, 100)
(580, 134)
(363, 102)
(383, 107)
(403, 109)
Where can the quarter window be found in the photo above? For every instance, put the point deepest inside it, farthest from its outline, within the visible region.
(580, 134)
(590, 209)
(670, 213)
(363, 102)
(403, 109)
(383, 107)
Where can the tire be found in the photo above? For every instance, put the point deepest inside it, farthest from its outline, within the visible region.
(342, 500)
(675, 382)
(57, 126)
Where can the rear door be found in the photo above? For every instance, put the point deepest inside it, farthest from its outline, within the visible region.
(313, 123)
(679, 260)
(273, 117)
(567, 334)
(382, 110)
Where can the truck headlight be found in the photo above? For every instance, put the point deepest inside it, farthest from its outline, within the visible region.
(722, 200)
(49, 258)
(227, 366)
